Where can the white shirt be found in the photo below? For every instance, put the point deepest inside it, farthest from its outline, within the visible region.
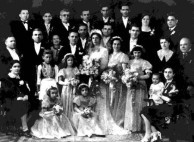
(13, 54)
(171, 29)
(132, 43)
(105, 40)
(73, 49)
(37, 47)
(125, 20)
(25, 25)
(105, 19)
(83, 41)
(66, 25)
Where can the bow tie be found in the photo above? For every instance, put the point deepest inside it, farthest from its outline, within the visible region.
(25, 22)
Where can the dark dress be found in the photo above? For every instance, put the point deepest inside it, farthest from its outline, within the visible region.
(159, 64)
(11, 89)
(161, 115)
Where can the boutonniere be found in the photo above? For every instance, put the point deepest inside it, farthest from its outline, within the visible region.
(190, 61)
(30, 28)
(51, 28)
(42, 48)
(80, 53)
(152, 32)
(129, 22)
(112, 20)
(21, 82)
(173, 32)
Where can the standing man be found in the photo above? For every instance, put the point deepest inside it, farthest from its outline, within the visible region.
(123, 24)
(64, 26)
(172, 31)
(107, 35)
(72, 47)
(22, 30)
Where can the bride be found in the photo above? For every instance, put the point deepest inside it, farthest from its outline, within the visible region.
(100, 53)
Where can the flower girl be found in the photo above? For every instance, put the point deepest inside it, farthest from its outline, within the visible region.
(84, 118)
(53, 123)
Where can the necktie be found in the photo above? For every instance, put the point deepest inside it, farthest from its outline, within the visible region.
(47, 28)
(184, 55)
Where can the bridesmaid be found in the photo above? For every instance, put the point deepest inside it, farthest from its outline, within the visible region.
(135, 96)
(118, 61)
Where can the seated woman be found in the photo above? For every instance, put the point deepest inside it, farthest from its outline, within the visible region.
(157, 117)
(84, 117)
(15, 93)
(54, 123)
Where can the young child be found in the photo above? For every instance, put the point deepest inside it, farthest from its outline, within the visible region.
(156, 89)
(84, 118)
(54, 123)
(46, 74)
(68, 78)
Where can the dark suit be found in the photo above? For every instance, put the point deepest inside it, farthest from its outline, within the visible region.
(187, 66)
(100, 22)
(174, 36)
(47, 36)
(123, 32)
(67, 49)
(86, 47)
(5, 59)
(21, 35)
(63, 32)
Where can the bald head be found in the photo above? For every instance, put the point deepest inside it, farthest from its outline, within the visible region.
(185, 45)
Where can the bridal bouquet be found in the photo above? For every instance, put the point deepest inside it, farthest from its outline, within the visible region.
(89, 67)
(109, 76)
(87, 113)
(130, 78)
(74, 81)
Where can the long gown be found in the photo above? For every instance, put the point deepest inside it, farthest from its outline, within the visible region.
(119, 94)
(135, 97)
(86, 126)
(68, 92)
(102, 107)
(51, 126)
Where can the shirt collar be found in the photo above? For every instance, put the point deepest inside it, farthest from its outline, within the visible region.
(11, 75)
(171, 29)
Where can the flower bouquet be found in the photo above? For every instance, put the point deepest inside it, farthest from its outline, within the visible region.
(87, 113)
(109, 77)
(57, 109)
(130, 78)
(89, 67)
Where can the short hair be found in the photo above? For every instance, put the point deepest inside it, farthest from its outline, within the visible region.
(49, 90)
(134, 25)
(47, 51)
(167, 38)
(73, 31)
(36, 29)
(138, 48)
(13, 62)
(108, 24)
(64, 10)
(82, 24)
(124, 4)
(168, 66)
(172, 14)
(157, 74)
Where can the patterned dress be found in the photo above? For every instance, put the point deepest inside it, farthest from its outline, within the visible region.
(135, 97)
(46, 77)
(51, 125)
